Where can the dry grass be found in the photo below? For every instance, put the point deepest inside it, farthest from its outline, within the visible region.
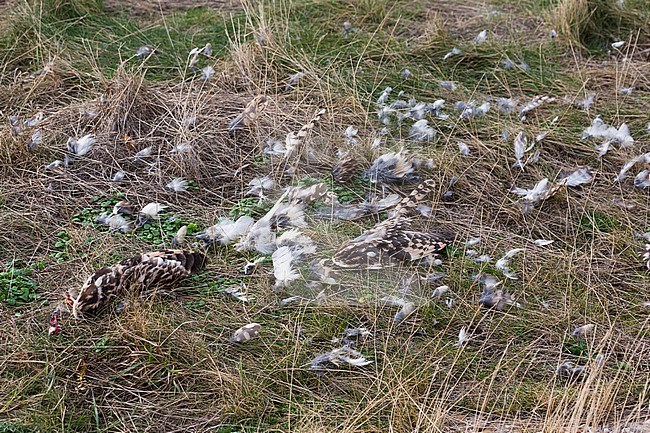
(166, 365)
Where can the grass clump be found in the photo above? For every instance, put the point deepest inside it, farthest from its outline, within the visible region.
(594, 24)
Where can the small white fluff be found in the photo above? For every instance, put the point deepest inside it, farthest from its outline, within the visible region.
(178, 184)
(293, 80)
(421, 131)
(503, 263)
(118, 177)
(284, 273)
(618, 44)
(246, 333)
(183, 147)
(259, 184)
(579, 177)
(542, 242)
(642, 180)
(144, 51)
(115, 222)
(643, 158)
(144, 153)
(453, 52)
(581, 332)
(506, 105)
(226, 231)
(36, 139)
(480, 38)
(151, 211)
(463, 337)
(383, 98)
(626, 90)
(449, 85)
(179, 237)
(82, 146)
(439, 291)
(207, 73)
(521, 143)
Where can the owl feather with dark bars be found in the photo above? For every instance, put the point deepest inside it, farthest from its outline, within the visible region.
(161, 270)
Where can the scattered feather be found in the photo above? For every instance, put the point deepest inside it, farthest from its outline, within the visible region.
(587, 102)
(250, 267)
(421, 131)
(178, 185)
(581, 332)
(480, 38)
(449, 85)
(453, 52)
(54, 164)
(237, 292)
(295, 139)
(521, 143)
(542, 242)
(144, 153)
(534, 104)
(115, 222)
(626, 90)
(225, 231)
(463, 337)
(642, 180)
(259, 185)
(571, 371)
(183, 147)
(36, 140)
(245, 333)
(149, 212)
(503, 263)
(144, 51)
(293, 80)
(118, 177)
(284, 273)
(578, 177)
(438, 292)
(179, 237)
(643, 158)
(618, 44)
(393, 167)
(82, 146)
(483, 259)
(207, 73)
(506, 105)
(338, 357)
(250, 114)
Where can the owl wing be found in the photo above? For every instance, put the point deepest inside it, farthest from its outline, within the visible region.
(369, 250)
(162, 270)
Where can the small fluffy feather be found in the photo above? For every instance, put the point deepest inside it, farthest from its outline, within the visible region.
(284, 273)
(393, 167)
(226, 231)
(245, 333)
(82, 146)
(481, 37)
(259, 184)
(178, 184)
(337, 357)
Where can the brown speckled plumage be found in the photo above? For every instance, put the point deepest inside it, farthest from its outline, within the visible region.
(156, 270)
(393, 239)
